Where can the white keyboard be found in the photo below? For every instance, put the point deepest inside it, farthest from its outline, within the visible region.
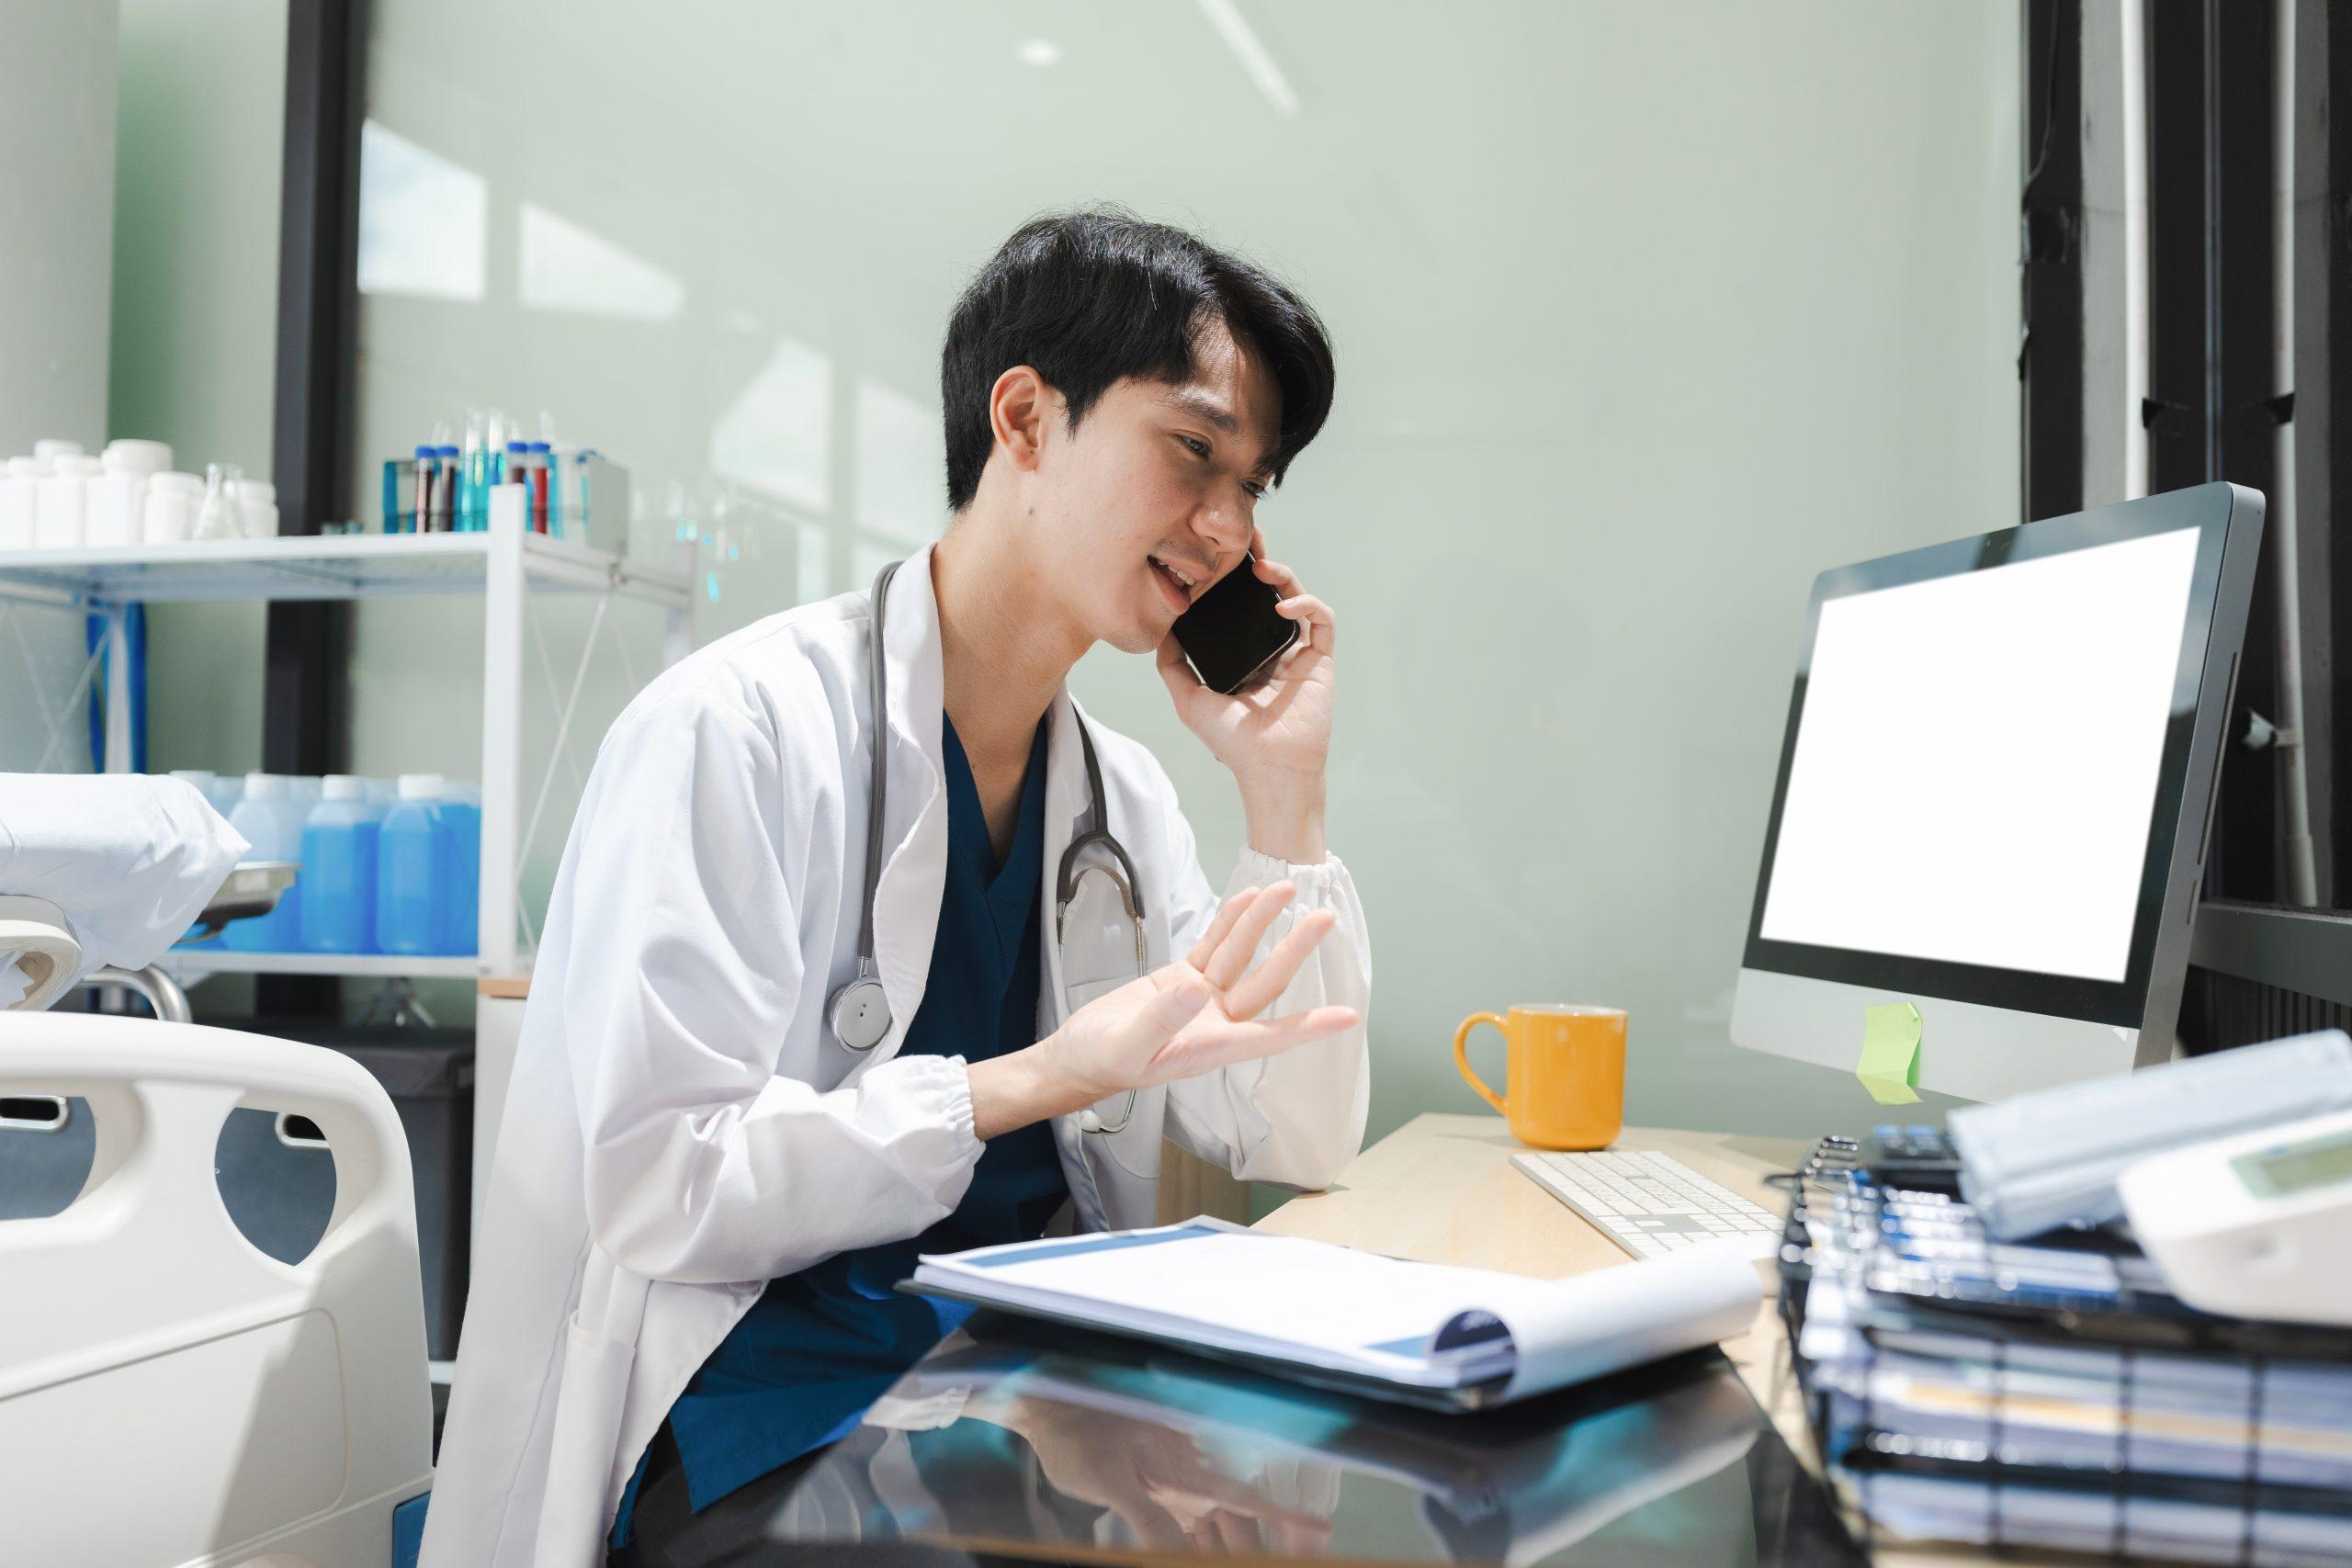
(1652, 1204)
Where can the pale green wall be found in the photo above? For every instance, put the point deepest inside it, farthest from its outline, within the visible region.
(56, 148)
(200, 140)
(196, 180)
(1645, 313)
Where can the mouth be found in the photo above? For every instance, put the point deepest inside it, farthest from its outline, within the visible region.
(1178, 580)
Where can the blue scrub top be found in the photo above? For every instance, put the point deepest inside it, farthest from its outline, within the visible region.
(820, 1345)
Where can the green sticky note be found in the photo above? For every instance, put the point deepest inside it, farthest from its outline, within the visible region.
(1890, 1064)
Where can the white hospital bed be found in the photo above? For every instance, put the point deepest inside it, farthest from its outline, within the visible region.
(169, 1395)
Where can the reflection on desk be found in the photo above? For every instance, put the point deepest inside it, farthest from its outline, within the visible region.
(1016, 1440)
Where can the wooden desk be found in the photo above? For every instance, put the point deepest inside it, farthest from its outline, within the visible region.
(1441, 1188)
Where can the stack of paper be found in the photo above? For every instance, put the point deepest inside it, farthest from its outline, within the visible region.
(1380, 1326)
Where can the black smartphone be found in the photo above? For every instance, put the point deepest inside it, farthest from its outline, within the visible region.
(1232, 633)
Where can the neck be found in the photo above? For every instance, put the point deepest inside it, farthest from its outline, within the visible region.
(1005, 645)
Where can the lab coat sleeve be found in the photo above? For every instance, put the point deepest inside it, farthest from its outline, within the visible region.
(1297, 1119)
(682, 975)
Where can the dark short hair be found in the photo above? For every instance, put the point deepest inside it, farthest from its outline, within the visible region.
(1089, 298)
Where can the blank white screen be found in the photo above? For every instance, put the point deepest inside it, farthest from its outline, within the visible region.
(1976, 765)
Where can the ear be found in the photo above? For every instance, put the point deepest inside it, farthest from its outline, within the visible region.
(1021, 408)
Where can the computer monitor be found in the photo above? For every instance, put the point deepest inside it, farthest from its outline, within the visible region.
(1995, 792)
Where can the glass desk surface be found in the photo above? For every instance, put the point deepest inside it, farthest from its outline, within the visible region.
(1018, 1440)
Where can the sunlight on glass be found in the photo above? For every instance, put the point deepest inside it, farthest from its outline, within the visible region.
(777, 436)
(901, 466)
(814, 566)
(423, 221)
(1256, 61)
(868, 560)
(563, 266)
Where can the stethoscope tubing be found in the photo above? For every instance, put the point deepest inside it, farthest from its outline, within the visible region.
(861, 1002)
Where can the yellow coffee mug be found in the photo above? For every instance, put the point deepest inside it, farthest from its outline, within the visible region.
(1564, 1073)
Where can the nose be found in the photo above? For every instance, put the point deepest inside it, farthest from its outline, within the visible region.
(1224, 527)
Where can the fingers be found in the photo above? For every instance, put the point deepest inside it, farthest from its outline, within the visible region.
(1231, 959)
(1318, 628)
(1279, 1034)
(1232, 910)
(1212, 1046)
(1298, 1534)
(1253, 993)
(1175, 1006)
(1277, 574)
(1309, 608)
(1154, 1526)
(1238, 1535)
(1174, 671)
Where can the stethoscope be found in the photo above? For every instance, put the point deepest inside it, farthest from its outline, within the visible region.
(1095, 958)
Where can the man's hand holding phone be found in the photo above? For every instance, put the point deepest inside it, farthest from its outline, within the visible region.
(1275, 733)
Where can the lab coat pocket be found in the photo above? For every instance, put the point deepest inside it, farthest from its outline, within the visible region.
(579, 1453)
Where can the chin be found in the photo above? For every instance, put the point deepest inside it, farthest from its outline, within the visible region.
(1134, 639)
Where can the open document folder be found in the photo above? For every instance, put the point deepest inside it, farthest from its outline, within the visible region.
(1423, 1333)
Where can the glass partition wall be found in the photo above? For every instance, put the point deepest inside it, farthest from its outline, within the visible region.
(1645, 314)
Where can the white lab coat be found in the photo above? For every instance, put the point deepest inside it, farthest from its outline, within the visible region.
(681, 1125)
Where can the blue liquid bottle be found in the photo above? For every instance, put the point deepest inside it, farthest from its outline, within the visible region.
(270, 817)
(339, 848)
(410, 876)
(459, 820)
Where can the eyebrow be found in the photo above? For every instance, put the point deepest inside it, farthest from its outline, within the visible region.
(1199, 402)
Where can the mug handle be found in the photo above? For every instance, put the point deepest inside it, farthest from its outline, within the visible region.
(1461, 1055)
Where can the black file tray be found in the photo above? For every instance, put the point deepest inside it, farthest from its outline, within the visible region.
(2140, 1326)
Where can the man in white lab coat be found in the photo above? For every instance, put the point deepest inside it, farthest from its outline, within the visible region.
(702, 1192)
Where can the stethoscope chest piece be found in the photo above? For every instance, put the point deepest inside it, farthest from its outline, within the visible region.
(861, 1014)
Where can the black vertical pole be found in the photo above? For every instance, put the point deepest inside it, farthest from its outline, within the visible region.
(2050, 361)
(305, 714)
(2241, 309)
(2177, 385)
(2211, 402)
(2336, 243)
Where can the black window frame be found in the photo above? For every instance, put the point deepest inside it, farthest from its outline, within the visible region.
(2212, 404)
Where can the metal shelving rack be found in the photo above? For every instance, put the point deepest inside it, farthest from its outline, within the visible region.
(506, 565)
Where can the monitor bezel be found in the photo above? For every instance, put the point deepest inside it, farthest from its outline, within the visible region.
(2121, 1003)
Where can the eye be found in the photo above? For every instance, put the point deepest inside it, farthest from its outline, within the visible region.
(1257, 492)
(1199, 448)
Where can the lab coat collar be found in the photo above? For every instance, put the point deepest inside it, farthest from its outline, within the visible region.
(914, 868)
(912, 674)
(914, 829)
(911, 668)
(1067, 801)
